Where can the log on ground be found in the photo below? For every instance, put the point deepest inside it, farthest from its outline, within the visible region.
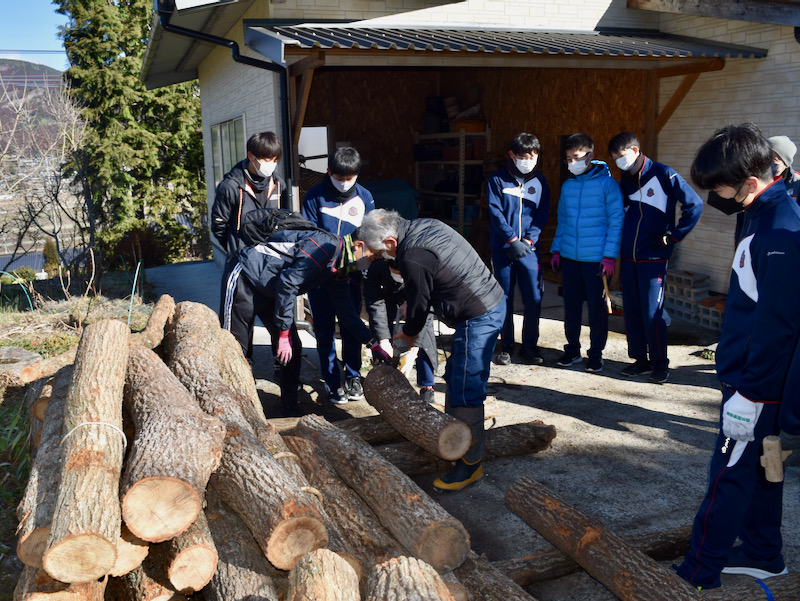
(420, 524)
(36, 397)
(322, 575)
(626, 572)
(35, 584)
(505, 441)
(148, 582)
(406, 579)
(242, 572)
(153, 333)
(86, 520)
(47, 367)
(551, 564)
(280, 515)
(35, 509)
(484, 583)
(390, 392)
(190, 559)
(175, 448)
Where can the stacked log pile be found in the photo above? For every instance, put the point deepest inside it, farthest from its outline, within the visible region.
(157, 475)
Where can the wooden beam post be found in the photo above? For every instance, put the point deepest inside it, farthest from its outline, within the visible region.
(674, 102)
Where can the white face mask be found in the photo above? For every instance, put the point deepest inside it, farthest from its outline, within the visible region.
(578, 167)
(343, 186)
(387, 256)
(525, 166)
(627, 160)
(396, 277)
(265, 168)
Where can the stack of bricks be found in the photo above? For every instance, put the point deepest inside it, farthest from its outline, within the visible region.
(711, 310)
(684, 291)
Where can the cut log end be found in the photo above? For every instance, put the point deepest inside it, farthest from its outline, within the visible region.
(31, 547)
(443, 545)
(131, 552)
(80, 558)
(293, 538)
(193, 569)
(160, 508)
(454, 440)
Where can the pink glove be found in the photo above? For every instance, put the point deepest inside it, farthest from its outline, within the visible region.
(555, 262)
(284, 354)
(378, 354)
(607, 267)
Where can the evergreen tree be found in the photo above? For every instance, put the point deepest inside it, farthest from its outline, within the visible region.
(142, 165)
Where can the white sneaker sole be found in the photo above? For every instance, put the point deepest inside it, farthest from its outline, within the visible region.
(754, 572)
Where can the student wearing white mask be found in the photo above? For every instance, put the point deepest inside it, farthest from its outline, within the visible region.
(338, 205)
(652, 194)
(519, 204)
(585, 247)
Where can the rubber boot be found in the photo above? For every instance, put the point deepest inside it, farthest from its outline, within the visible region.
(469, 468)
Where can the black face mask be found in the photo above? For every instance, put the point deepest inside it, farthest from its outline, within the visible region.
(729, 206)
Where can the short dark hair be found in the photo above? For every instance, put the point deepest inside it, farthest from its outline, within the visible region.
(623, 141)
(578, 142)
(730, 156)
(345, 162)
(265, 145)
(523, 144)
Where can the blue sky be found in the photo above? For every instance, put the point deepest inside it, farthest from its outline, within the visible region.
(31, 25)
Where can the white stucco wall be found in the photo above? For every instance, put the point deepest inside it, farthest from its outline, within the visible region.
(761, 91)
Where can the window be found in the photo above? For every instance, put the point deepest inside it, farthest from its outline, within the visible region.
(228, 146)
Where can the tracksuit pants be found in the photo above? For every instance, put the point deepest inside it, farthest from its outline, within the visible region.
(527, 274)
(241, 305)
(739, 502)
(467, 368)
(643, 299)
(324, 315)
(581, 281)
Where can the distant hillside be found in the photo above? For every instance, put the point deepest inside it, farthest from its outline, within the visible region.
(24, 74)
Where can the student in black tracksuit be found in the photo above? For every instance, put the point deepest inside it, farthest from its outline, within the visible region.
(651, 195)
(252, 184)
(267, 277)
(756, 356)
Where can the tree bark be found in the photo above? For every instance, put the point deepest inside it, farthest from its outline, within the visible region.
(322, 575)
(35, 509)
(552, 564)
(242, 572)
(627, 573)
(781, 588)
(505, 441)
(175, 449)
(390, 392)
(35, 585)
(47, 367)
(131, 552)
(153, 334)
(455, 587)
(364, 535)
(148, 582)
(420, 524)
(373, 429)
(190, 558)
(484, 583)
(86, 520)
(280, 515)
(406, 579)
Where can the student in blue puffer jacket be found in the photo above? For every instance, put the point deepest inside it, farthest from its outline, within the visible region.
(585, 247)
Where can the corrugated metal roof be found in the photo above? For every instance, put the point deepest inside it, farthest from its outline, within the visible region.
(593, 43)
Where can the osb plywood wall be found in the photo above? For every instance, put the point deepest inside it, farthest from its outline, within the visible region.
(379, 110)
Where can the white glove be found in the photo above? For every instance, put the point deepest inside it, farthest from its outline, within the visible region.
(407, 361)
(386, 345)
(739, 417)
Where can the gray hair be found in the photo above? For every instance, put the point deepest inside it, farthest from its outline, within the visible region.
(378, 225)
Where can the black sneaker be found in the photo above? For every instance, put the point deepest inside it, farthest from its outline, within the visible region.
(638, 368)
(739, 563)
(426, 393)
(530, 356)
(659, 376)
(503, 358)
(354, 389)
(339, 397)
(594, 365)
(568, 359)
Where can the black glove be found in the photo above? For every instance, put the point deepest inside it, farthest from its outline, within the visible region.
(666, 241)
(518, 249)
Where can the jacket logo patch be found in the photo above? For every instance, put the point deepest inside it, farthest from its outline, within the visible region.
(650, 193)
(353, 211)
(741, 259)
(531, 190)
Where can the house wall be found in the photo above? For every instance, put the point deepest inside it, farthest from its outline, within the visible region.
(761, 91)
